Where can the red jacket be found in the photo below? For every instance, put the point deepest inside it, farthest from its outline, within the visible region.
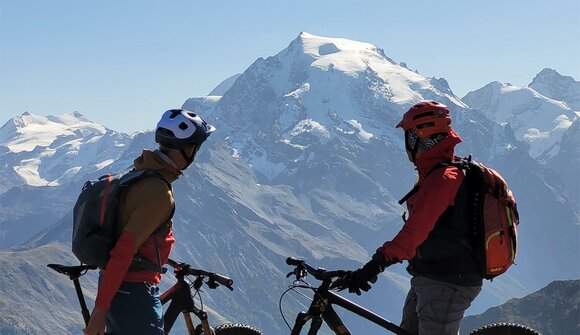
(436, 193)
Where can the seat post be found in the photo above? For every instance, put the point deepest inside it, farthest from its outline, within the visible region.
(81, 297)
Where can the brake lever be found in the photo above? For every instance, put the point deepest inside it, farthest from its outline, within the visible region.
(212, 284)
(339, 284)
(198, 283)
(299, 272)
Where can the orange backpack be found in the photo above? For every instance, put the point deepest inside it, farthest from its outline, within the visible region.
(494, 216)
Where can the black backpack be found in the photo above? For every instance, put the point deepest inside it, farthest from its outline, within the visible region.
(95, 220)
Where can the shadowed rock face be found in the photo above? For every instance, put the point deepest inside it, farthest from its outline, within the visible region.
(552, 310)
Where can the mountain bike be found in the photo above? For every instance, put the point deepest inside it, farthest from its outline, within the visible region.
(321, 308)
(179, 296)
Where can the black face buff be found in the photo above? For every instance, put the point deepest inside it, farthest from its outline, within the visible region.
(414, 143)
(187, 159)
(411, 143)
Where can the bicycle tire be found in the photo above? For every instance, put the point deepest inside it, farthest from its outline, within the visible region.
(504, 329)
(236, 329)
(199, 330)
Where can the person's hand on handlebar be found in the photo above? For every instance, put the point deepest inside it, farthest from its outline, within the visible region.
(362, 278)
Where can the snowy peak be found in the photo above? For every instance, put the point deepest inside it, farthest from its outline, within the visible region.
(313, 92)
(326, 79)
(536, 119)
(335, 48)
(359, 60)
(556, 86)
(488, 97)
(27, 131)
(52, 150)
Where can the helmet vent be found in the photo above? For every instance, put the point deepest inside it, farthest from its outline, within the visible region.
(183, 126)
(418, 116)
(425, 125)
(174, 113)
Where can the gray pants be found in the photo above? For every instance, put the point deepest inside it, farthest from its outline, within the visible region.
(436, 308)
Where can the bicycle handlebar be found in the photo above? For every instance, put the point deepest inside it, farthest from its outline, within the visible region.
(319, 273)
(212, 276)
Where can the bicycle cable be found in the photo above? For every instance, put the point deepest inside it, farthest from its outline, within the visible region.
(197, 293)
(293, 288)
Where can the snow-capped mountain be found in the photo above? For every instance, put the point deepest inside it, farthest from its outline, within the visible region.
(42, 156)
(306, 162)
(319, 90)
(52, 150)
(551, 84)
(536, 119)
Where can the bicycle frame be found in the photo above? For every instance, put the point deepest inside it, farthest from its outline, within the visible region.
(321, 310)
(181, 301)
(178, 296)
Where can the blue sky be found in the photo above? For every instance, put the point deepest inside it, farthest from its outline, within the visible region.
(122, 63)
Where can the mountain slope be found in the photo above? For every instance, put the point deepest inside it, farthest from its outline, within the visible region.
(36, 300)
(566, 163)
(553, 310)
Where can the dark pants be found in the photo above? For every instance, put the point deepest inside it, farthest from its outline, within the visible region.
(436, 308)
(136, 309)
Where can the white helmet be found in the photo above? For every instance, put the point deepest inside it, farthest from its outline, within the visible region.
(179, 128)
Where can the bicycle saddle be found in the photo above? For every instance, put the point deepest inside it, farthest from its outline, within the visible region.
(71, 271)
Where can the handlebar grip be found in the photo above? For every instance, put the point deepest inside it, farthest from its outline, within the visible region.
(172, 263)
(221, 279)
(294, 261)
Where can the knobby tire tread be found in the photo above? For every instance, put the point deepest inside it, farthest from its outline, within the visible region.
(236, 329)
(504, 329)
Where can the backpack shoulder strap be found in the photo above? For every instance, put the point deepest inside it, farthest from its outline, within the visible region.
(416, 187)
(410, 194)
(134, 175)
(459, 162)
(140, 262)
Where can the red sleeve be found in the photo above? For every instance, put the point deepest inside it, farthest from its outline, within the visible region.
(117, 267)
(434, 196)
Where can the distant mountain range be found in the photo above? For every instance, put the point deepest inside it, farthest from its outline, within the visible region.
(306, 162)
(553, 310)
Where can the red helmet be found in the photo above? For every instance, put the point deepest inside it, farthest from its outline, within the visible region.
(427, 118)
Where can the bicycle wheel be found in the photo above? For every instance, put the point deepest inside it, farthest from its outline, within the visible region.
(236, 329)
(504, 329)
(199, 330)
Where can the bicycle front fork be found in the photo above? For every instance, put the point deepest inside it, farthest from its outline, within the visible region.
(204, 323)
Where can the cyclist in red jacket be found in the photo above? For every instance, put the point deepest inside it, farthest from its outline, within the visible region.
(435, 237)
